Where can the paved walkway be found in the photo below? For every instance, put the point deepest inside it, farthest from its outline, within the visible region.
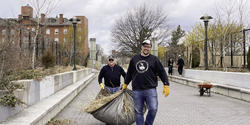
(184, 106)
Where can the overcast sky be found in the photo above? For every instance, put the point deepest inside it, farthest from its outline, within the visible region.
(102, 14)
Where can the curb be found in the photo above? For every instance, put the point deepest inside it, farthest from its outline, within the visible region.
(222, 89)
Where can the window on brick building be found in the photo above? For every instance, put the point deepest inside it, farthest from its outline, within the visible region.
(64, 40)
(48, 31)
(56, 39)
(56, 31)
(3, 40)
(31, 39)
(12, 32)
(26, 39)
(65, 31)
(3, 32)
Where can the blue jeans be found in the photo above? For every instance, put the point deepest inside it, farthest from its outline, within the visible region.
(150, 97)
(113, 90)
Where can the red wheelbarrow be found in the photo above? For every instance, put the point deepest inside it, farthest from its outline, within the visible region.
(205, 88)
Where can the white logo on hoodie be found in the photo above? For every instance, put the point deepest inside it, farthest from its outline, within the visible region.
(141, 66)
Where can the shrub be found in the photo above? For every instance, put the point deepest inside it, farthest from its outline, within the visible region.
(6, 84)
(28, 74)
(48, 60)
(9, 100)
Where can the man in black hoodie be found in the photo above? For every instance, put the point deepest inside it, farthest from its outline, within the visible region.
(111, 74)
(143, 71)
(180, 64)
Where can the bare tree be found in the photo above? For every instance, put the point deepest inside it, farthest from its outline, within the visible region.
(229, 18)
(242, 10)
(68, 47)
(12, 57)
(136, 26)
(41, 6)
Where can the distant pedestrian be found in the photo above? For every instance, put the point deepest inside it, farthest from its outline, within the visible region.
(170, 66)
(180, 64)
(111, 74)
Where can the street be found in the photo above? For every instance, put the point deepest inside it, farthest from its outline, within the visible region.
(183, 106)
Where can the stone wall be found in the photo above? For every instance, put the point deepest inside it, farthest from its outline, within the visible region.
(34, 91)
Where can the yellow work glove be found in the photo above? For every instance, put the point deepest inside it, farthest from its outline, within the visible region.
(124, 86)
(166, 90)
(102, 85)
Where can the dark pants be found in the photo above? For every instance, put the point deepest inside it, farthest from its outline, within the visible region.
(170, 70)
(150, 97)
(180, 68)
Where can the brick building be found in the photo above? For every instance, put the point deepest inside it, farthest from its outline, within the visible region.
(56, 28)
(55, 35)
(16, 45)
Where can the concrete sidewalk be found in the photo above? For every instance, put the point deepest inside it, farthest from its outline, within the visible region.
(184, 106)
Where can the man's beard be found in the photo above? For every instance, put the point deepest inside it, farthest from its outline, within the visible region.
(145, 52)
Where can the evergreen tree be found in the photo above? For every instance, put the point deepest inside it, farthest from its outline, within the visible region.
(174, 49)
(176, 36)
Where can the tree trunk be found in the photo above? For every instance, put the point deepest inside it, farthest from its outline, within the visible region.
(1, 73)
(34, 44)
(34, 52)
(190, 58)
(221, 54)
(212, 52)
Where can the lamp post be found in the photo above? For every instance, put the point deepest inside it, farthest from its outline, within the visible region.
(74, 21)
(206, 19)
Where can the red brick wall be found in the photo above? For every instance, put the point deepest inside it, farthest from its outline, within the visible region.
(27, 11)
